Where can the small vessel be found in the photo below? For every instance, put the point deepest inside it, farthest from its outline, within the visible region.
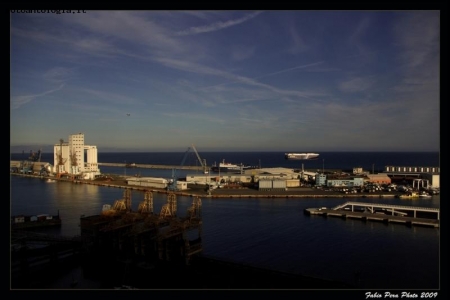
(44, 220)
(229, 167)
(132, 165)
(409, 195)
(424, 194)
(301, 156)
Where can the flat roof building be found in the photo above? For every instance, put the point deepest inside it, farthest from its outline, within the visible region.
(74, 157)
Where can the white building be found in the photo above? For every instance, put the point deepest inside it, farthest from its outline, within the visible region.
(74, 157)
(155, 182)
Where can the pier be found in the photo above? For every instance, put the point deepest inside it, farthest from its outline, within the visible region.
(409, 215)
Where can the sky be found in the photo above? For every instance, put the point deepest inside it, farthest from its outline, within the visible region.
(231, 80)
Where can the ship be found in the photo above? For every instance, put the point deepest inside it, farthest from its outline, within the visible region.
(22, 222)
(229, 167)
(302, 156)
(409, 195)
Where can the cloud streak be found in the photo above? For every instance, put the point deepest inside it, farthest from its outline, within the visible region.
(217, 26)
(295, 73)
(356, 85)
(17, 102)
(290, 69)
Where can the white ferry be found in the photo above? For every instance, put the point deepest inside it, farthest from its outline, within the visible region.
(304, 156)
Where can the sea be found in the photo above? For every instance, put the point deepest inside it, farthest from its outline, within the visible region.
(272, 233)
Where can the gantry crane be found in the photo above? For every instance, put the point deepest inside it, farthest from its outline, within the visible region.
(146, 206)
(195, 211)
(170, 208)
(124, 204)
(35, 156)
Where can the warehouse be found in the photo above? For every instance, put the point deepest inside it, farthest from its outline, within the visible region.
(379, 178)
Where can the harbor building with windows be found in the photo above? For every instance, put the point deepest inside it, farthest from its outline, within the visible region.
(75, 159)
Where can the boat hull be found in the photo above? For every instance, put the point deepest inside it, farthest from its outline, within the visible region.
(231, 169)
(301, 156)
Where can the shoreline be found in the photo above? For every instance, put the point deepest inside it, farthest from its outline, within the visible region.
(199, 191)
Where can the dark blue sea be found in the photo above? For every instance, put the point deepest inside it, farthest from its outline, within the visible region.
(270, 232)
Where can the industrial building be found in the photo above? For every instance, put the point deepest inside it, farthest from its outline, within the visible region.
(425, 177)
(410, 173)
(277, 184)
(75, 158)
(347, 182)
(247, 176)
(266, 179)
(379, 178)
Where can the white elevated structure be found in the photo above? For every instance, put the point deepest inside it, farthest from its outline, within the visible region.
(74, 157)
(154, 182)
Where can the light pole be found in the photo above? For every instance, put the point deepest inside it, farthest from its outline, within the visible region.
(125, 169)
(323, 166)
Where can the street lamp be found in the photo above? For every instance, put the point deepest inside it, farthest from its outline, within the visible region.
(323, 166)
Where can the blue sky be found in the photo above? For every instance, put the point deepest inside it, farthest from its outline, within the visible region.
(227, 80)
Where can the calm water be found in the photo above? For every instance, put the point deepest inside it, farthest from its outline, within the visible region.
(328, 160)
(272, 233)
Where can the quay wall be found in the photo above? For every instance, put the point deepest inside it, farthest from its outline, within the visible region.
(198, 190)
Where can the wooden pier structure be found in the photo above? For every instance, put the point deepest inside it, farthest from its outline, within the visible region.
(409, 215)
(145, 234)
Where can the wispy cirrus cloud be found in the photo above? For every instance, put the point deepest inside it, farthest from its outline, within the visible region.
(87, 45)
(218, 25)
(236, 79)
(291, 69)
(418, 36)
(58, 74)
(298, 44)
(18, 101)
(357, 84)
(113, 98)
(239, 53)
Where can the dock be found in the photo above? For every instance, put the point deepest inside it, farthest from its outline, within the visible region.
(408, 215)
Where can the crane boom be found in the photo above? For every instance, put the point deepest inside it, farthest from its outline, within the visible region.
(202, 162)
(198, 156)
(173, 184)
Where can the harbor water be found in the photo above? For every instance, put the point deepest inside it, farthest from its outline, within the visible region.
(273, 233)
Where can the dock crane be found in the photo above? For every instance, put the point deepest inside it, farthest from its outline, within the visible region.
(172, 186)
(35, 156)
(202, 162)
